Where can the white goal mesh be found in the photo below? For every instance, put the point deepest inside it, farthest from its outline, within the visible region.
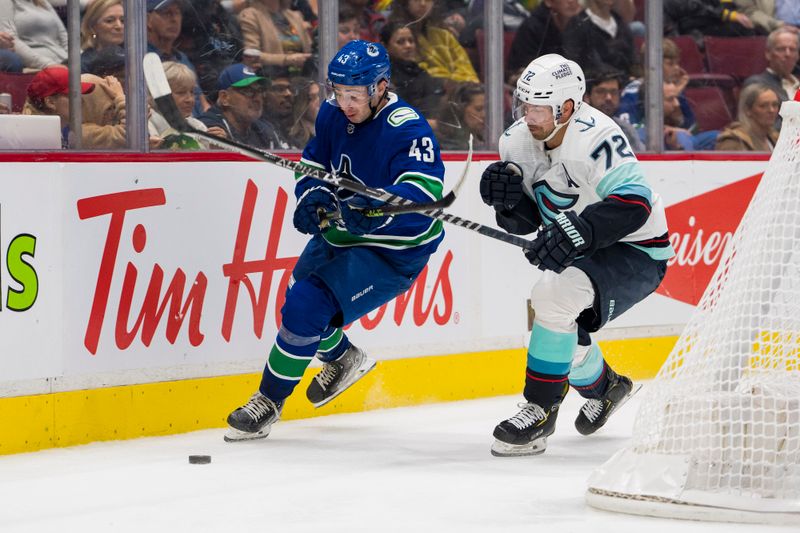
(718, 434)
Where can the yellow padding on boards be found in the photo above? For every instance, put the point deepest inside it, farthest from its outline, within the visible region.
(32, 423)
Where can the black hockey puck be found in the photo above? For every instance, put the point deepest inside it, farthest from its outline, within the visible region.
(199, 459)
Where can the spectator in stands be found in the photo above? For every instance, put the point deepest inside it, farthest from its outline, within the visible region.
(788, 11)
(104, 115)
(211, 38)
(182, 82)
(442, 55)
(278, 98)
(467, 116)
(632, 98)
(164, 18)
(783, 52)
(349, 25)
(764, 16)
(109, 62)
(411, 82)
(238, 107)
(676, 137)
(102, 28)
(755, 129)
(705, 17)
(371, 20)
(540, 34)
(39, 36)
(305, 106)
(280, 34)
(48, 94)
(10, 61)
(603, 92)
(598, 39)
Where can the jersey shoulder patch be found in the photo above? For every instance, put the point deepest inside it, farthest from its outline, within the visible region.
(401, 115)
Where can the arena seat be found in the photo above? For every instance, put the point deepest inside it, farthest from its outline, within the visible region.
(691, 57)
(710, 106)
(739, 57)
(17, 86)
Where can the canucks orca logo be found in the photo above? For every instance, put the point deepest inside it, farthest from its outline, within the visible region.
(345, 170)
(551, 202)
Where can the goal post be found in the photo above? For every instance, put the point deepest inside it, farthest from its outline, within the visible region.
(717, 436)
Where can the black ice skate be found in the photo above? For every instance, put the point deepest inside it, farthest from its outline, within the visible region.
(595, 412)
(526, 432)
(254, 419)
(336, 376)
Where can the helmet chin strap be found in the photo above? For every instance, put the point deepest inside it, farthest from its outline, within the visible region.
(374, 109)
(557, 125)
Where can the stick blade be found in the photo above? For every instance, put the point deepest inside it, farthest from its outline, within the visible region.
(161, 92)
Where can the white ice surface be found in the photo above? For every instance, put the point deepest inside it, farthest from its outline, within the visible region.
(417, 469)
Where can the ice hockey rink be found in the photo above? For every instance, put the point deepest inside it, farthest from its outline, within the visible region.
(422, 469)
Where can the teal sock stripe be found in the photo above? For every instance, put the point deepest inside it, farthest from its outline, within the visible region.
(550, 352)
(589, 370)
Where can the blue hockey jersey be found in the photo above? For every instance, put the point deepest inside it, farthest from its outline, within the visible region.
(396, 151)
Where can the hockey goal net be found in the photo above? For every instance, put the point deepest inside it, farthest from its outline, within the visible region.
(717, 436)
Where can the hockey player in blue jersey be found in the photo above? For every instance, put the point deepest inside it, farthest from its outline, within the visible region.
(353, 263)
(568, 173)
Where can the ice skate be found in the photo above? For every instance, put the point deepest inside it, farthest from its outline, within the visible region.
(595, 412)
(526, 432)
(336, 376)
(254, 419)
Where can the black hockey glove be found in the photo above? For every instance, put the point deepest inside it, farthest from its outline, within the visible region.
(354, 218)
(501, 185)
(558, 245)
(311, 208)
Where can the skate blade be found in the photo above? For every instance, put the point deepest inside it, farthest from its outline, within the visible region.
(234, 435)
(504, 449)
(362, 371)
(620, 403)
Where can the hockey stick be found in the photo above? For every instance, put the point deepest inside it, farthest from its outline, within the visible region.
(162, 95)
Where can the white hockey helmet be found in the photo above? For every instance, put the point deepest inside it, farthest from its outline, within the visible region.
(550, 80)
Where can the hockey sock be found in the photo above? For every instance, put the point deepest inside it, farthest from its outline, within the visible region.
(588, 375)
(549, 360)
(333, 344)
(307, 313)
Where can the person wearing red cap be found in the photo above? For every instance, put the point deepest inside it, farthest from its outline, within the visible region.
(48, 94)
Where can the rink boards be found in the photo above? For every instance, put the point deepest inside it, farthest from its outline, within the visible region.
(140, 294)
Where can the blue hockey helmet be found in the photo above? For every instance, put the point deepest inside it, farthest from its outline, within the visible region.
(360, 63)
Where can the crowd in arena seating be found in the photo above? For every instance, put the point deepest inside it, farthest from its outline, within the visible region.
(248, 69)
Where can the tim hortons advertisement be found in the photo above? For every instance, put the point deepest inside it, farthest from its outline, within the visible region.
(127, 273)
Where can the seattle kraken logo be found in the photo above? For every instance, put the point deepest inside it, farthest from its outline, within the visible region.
(551, 202)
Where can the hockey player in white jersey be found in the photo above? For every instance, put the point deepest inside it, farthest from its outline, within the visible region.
(568, 173)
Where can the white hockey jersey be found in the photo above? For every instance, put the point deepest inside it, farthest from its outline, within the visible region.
(593, 162)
